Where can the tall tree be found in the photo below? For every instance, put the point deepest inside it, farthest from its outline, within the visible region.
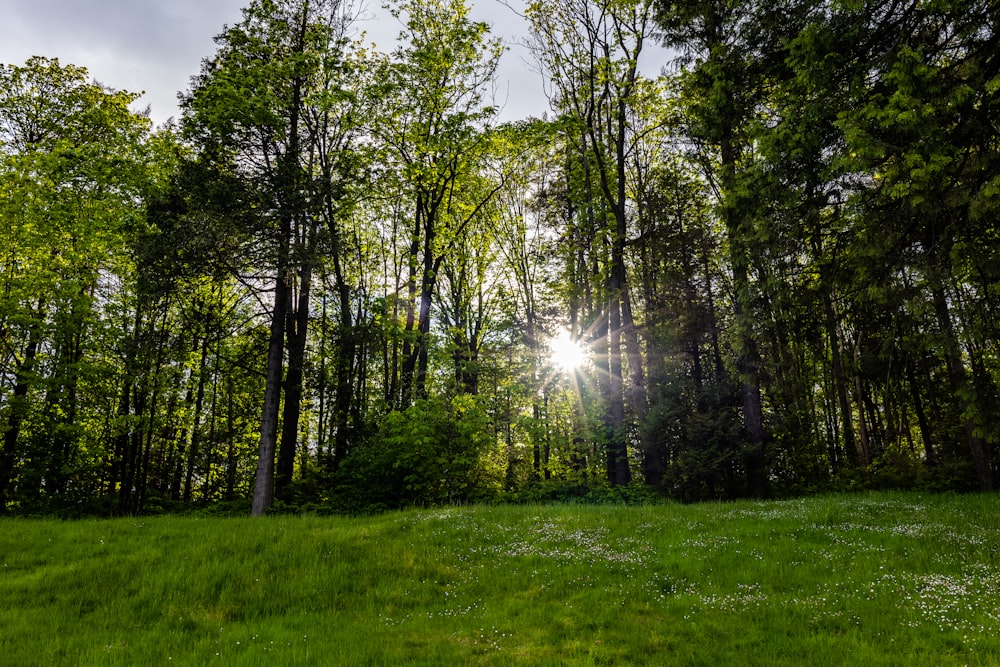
(71, 170)
(434, 121)
(721, 42)
(272, 104)
(923, 133)
(591, 52)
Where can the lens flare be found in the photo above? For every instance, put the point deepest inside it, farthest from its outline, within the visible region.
(566, 353)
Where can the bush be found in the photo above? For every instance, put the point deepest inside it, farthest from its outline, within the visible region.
(438, 451)
(583, 491)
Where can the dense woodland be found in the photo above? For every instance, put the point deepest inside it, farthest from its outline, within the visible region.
(334, 281)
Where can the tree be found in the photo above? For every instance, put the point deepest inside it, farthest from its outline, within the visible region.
(435, 125)
(722, 41)
(591, 51)
(70, 180)
(923, 135)
(275, 105)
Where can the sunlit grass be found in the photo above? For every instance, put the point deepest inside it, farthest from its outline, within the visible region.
(845, 580)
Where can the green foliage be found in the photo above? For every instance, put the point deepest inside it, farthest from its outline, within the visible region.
(697, 434)
(437, 451)
(576, 489)
(73, 167)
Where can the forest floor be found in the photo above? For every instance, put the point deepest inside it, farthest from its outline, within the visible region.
(874, 579)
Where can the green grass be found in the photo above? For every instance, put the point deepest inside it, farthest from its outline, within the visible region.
(885, 579)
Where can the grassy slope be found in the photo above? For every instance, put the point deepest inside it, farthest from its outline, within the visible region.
(873, 580)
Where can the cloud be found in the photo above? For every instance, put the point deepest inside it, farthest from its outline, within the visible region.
(134, 45)
(156, 46)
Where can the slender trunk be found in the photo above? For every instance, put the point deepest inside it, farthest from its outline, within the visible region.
(693, 333)
(296, 332)
(199, 402)
(926, 435)
(958, 378)
(164, 479)
(321, 416)
(263, 491)
(618, 464)
(510, 476)
(713, 322)
(534, 357)
(864, 435)
(638, 400)
(128, 443)
(621, 325)
(600, 345)
(411, 331)
(390, 358)
(359, 403)
(142, 474)
(120, 480)
(208, 484)
(536, 445)
(62, 400)
(130, 485)
(18, 406)
(179, 449)
(547, 451)
(124, 456)
(428, 283)
(834, 339)
(290, 207)
(17, 411)
(748, 365)
(748, 360)
(231, 462)
(346, 353)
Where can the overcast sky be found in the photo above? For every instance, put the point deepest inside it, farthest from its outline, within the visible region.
(157, 45)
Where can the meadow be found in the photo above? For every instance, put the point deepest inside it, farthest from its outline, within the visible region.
(875, 579)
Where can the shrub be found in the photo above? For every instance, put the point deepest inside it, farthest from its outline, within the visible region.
(438, 451)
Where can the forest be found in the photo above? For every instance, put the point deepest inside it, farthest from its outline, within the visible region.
(766, 267)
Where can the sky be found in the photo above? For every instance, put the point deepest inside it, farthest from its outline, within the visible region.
(156, 46)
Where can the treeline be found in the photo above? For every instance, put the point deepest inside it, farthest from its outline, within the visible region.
(334, 281)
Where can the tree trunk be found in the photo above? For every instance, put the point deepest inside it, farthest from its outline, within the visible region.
(346, 353)
(428, 283)
(231, 461)
(290, 205)
(195, 444)
(864, 434)
(618, 464)
(17, 411)
(834, 339)
(958, 378)
(412, 329)
(296, 331)
(748, 358)
(926, 435)
(263, 490)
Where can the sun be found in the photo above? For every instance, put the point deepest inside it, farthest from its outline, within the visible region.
(566, 353)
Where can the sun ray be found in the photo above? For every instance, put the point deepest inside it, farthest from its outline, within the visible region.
(566, 353)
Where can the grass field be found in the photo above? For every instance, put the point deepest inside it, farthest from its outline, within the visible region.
(885, 579)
